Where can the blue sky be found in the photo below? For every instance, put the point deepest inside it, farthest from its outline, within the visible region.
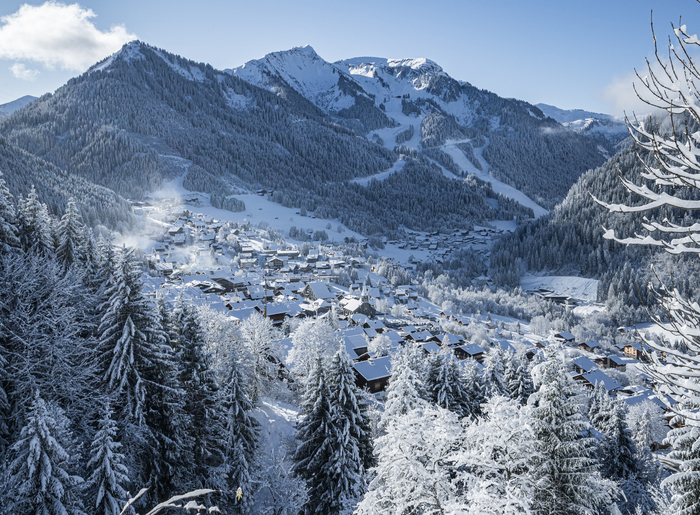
(568, 54)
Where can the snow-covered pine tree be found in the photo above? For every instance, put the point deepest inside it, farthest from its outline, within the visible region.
(403, 392)
(200, 387)
(350, 411)
(685, 484)
(131, 338)
(600, 407)
(520, 386)
(565, 473)
(315, 434)
(69, 234)
(37, 479)
(492, 374)
(106, 473)
(34, 223)
(240, 430)
(471, 379)
(8, 229)
(617, 450)
(444, 383)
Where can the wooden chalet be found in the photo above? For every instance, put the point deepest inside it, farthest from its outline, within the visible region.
(373, 374)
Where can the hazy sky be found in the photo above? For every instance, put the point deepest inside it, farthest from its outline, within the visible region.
(560, 52)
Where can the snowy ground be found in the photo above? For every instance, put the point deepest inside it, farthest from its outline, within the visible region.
(576, 287)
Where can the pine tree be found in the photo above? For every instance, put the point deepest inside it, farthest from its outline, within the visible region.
(566, 475)
(34, 223)
(520, 386)
(473, 386)
(685, 485)
(315, 434)
(70, 234)
(445, 385)
(8, 230)
(240, 431)
(38, 480)
(402, 394)
(131, 338)
(600, 407)
(200, 387)
(617, 451)
(493, 374)
(107, 474)
(351, 416)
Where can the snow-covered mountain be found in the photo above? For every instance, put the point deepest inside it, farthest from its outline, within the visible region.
(604, 128)
(415, 105)
(10, 107)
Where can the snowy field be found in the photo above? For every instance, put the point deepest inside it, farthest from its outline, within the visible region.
(576, 287)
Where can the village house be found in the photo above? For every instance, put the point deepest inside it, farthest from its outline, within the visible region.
(373, 374)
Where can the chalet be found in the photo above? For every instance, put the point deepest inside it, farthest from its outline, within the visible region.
(598, 376)
(256, 292)
(634, 350)
(452, 340)
(276, 313)
(431, 347)
(355, 345)
(583, 365)
(590, 346)
(373, 374)
(565, 337)
(317, 291)
(357, 306)
(471, 350)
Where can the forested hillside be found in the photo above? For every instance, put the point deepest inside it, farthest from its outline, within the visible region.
(570, 240)
(56, 186)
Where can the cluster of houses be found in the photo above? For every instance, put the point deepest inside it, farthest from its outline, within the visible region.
(245, 273)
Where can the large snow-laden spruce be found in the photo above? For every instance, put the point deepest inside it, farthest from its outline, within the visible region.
(107, 474)
(494, 463)
(241, 430)
(34, 223)
(493, 374)
(415, 466)
(565, 473)
(46, 324)
(8, 230)
(404, 391)
(198, 382)
(519, 381)
(315, 434)
(69, 234)
(444, 384)
(350, 412)
(685, 484)
(131, 339)
(38, 482)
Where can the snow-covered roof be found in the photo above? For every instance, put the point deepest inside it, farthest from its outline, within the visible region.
(321, 291)
(584, 363)
(374, 369)
(472, 349)
(598, 376)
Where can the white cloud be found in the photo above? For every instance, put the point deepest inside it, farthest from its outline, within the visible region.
(58, 36)
(20, 71)
(620, 93)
